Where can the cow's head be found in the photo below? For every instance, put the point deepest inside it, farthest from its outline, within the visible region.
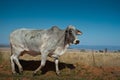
(71, 35)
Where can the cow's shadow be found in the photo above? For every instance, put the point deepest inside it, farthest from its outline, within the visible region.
(31, 65)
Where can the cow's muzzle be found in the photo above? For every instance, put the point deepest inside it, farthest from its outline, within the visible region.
(76, 42)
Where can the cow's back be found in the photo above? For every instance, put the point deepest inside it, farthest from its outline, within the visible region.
(26, 38)
(18, 35)
(37, 39)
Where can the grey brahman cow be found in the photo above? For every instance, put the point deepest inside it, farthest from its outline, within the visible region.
(52, 42)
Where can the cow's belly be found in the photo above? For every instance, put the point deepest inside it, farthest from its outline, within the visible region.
(32, 53)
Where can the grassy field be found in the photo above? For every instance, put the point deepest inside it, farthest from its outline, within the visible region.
(74, 65)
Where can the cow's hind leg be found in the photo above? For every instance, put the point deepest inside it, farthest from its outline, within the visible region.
(43, 61)
(14, 59)
(12, 64)
(18, 63)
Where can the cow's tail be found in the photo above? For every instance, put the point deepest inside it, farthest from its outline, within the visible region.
(11, 49)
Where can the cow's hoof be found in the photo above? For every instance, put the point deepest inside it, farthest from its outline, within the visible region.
(58, 73)
(35, 74)
(15, 74)
(21, 70)
(21, 73)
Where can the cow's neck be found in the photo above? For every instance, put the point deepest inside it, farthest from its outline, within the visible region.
(61, 41)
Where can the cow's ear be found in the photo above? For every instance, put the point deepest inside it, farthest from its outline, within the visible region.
(67, 34)
(66, 41)
(78, 32)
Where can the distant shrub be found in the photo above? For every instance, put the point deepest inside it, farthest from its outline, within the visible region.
(101, 51)
(118, 50)
(0, 57)
(82, 50)
(115, 51)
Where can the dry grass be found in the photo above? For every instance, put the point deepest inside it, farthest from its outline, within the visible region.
(74, 65)
(91, 58)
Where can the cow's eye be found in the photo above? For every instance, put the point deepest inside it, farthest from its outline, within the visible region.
(70, 31)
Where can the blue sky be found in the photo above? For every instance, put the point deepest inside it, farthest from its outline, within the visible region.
(99, 20)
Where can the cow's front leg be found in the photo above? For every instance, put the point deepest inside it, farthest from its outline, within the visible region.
(43, 61)
(56, 66)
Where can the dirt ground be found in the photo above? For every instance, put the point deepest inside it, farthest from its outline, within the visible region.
(69, 71)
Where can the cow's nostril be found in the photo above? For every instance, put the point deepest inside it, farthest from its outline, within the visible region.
(77, 41)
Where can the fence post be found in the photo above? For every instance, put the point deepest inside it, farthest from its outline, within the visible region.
(93, 56)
